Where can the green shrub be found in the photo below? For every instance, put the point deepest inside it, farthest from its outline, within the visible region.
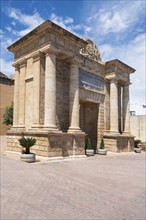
(8, 115)
(136, 142)
(27, 143)
(102, 144)
(88, 144)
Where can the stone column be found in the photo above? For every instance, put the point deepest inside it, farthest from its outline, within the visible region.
(113, 106)
(74, 97)
(16, 97)
(22, 94)
(119, 109)
(50, 91)
(126, 109)
(107, 106)
(36, 88)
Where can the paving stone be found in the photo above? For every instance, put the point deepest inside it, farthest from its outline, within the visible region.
(100, 187)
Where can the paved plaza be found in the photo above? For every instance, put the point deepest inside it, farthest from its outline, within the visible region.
(108, 187)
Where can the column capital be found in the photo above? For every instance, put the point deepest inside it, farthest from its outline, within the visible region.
(111, 77)
(16, 66)
(127, 84)
(19, 63)
(49, 50)
(113, 80)
(22, 62)
(74, 61)
(37, 55)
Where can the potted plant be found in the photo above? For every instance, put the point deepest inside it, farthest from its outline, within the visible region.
(27, 142)
(137, 148)
(89, 149)
(101, 149)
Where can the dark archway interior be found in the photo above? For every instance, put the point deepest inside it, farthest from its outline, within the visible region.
(89, 120)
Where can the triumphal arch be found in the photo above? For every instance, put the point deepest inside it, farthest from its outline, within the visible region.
(64, 92)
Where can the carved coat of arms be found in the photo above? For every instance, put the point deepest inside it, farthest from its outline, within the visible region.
(91, 51)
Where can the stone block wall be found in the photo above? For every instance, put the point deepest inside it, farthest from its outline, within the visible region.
(51, 145)
(138, 127)
(119, 143)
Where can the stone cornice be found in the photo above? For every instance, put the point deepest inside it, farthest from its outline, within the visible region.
(120, 64)
(44, 27)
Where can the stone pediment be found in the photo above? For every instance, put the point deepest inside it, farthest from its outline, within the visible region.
(91, 51)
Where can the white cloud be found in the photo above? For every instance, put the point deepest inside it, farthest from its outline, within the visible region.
(6, 67)
(1, 34)
(6, 41)
(1, 31)
(68, 23)
(68, 20)
(9, 29)
(13, 23)
(112, 22)
(29, 21)
(116, 18)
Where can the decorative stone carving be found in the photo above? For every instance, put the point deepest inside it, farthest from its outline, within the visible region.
(91, 51)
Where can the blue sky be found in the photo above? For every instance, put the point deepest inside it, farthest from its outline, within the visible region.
(116, 27)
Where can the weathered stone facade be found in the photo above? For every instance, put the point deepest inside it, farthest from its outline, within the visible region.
(63, 92)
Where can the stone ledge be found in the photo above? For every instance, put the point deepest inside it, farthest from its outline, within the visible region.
(17, 155)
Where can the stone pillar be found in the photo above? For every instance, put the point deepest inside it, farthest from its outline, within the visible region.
(74, 97)
(113, 106)
(36, 88)
(22, 94)
(16, 97)
(107, 106)
(119, 109)
(50, 91)
(126, 109)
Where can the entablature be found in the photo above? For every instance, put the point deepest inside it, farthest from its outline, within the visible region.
(117, 65)
(114, 76)
(47, 33)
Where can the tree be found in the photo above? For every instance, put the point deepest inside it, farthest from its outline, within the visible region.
(88, 144)
(8, 115)
(102, 144)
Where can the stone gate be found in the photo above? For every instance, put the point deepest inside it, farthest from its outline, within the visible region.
(64, 92)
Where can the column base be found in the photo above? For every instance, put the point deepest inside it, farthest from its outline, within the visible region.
(75, 130)
(51, 128)
(127, 133)
(37, 126)
(16, 129)
(17, 126)
(109, 132)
